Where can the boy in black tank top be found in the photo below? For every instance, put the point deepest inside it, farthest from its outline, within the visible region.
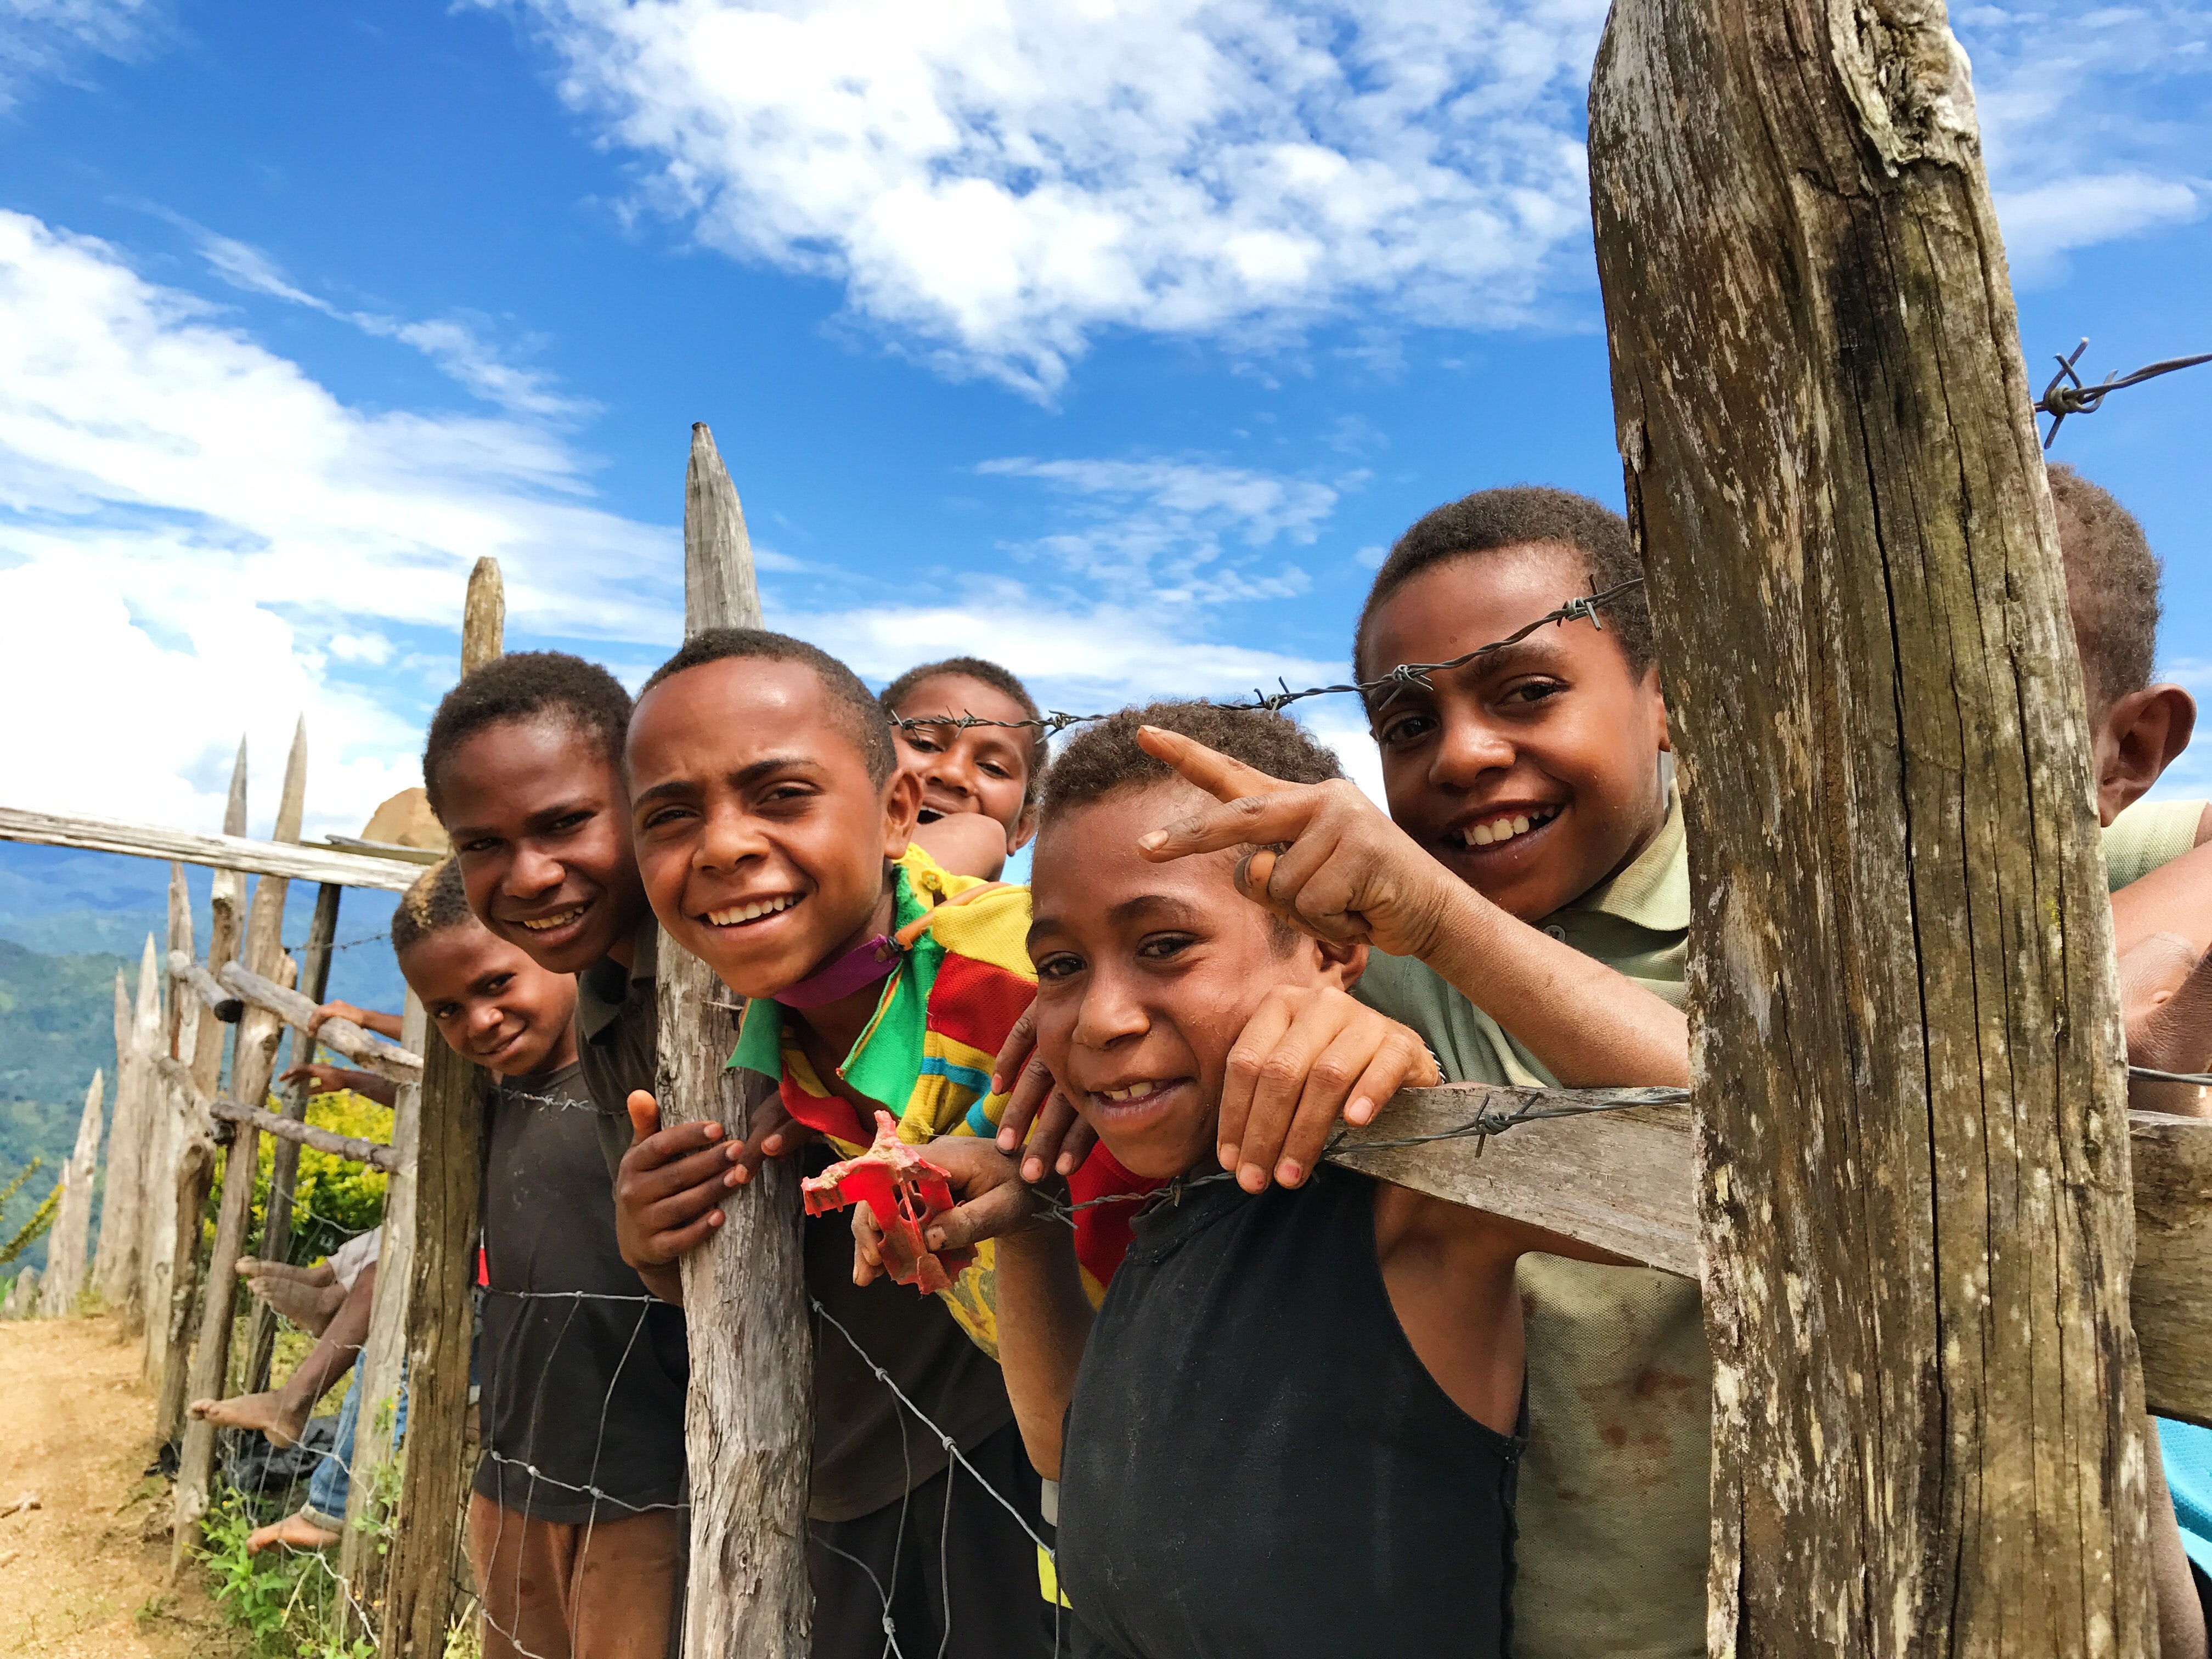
(1268, 1374)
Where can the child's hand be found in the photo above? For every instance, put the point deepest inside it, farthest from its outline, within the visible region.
(669, 1188)
(1304, 1057)
(321, 1079)
(368, 1019)
(1058, 1139)
(994, 1202)
(2165, 1002)
(1329, 863)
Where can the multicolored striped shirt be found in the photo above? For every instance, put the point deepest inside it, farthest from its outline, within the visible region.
(926, 1053)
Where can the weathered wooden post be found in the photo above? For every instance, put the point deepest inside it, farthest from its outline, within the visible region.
(749, 1423)
(177, 1185)
(253, 1061)
(1912, 1147)
(65, 1275)
(285, 1164)
(115, 1258)
(448, 1170)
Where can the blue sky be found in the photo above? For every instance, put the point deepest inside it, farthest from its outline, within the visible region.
(1112, 340)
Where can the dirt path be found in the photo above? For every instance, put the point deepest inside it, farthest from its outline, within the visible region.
(75, 1577)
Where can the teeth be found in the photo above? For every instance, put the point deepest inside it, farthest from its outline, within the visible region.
(1486, 835)
(546, 924)
(1134, 1091)
(736, 914)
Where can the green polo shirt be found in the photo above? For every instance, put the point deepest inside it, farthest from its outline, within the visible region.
(2148, 834)
(1612, 1493)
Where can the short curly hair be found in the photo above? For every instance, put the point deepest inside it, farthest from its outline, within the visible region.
(998, 680)
(435, 902)
(1491, 519)
(1103, 759)
(2111, 587)
(851, 702)
(525, 686)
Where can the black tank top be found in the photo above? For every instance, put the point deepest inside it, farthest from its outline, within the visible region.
(1257, 1465)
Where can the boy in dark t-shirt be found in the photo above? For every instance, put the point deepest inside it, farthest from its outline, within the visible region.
(576, 1531)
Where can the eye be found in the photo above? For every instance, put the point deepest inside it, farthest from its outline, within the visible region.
(660, 817)
(1408, 727)
(478, 844)
(497, 983)
(997, 770)
(569, 822)
(1165, 947)
(1529, 692)
(1059, 965)
(916, 739)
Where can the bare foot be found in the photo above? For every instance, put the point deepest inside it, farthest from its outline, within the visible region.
(294, 1532)
(320, 1274)
(305, 1304)
(264, 1412)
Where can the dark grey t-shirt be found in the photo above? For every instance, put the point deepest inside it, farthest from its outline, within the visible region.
(577, 1392)
(868, 1452)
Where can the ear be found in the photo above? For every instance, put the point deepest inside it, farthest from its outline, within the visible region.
(1025, 829)
(2138, 738)
(1342, 962)
(1659, 702)
(902, 808)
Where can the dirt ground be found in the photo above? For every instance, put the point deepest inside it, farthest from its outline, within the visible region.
(76, 1575)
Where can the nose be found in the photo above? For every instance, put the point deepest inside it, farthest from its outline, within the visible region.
(1468, 747)
(950, 770)
(531, 873)
(727, 838)
(1111, 1011)
(484, 1018)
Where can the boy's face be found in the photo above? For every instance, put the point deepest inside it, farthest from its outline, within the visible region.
(1532, 773)
(761, 837)
(491, 1002)
(984, 769)
(1146, 974)
(538, 817)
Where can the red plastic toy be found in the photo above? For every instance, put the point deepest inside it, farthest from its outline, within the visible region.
(905, 1192)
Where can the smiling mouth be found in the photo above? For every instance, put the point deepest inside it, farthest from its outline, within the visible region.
(558, 919)
(737, 915)
(928, 815)
(1141, 1093)
(1506, 826)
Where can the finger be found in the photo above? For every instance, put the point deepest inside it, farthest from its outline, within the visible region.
(1076, 1146)
(679, 1208)
(1005, 1209)
(1285, 1073)
(1046, 1148)
(1244, 822)
(644, 1115)
(773, 1133)
(1241, 1075)
(867, 1245)
(1216, 773)
(668, 1246)
(1332, 1083)
(1017, 1124)
(673, 1160)
(1021, 1037)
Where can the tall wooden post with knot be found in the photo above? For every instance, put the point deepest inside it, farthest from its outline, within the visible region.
(1913, 1155)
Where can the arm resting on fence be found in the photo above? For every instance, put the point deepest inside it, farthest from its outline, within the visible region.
(385, 1059)
(1623, 1178)
(226, 1006)
(371, 1153)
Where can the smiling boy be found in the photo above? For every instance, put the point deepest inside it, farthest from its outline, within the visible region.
(979, 783)
(1265, 1369)
(772, 830)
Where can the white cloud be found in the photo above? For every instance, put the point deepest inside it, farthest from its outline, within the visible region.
(451, 342)
(197, 536)
(1171, 531)
(46, 39)
(1002, 180)
(2095, 120)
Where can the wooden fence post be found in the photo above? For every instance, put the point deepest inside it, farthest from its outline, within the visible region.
(65, 1275)
(284, 1166)
(749, 1423)
(370, 1489)
(177, 1186)
(1913, 1155)
(254, 1060)
(448, 1169)
(115, 1260)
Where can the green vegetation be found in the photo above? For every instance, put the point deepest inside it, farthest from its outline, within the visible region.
(57, 1025)
(332, 1199)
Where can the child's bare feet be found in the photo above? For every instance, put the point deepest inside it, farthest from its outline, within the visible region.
(294, 1532)
(268, 1413)
(302, 1301)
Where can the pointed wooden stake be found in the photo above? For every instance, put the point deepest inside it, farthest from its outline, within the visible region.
(751, 1423)
(64, 1276)
(115, 1261)
(483, 616)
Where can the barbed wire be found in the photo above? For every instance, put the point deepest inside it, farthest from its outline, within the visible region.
(2066, 394)
(1054, 721)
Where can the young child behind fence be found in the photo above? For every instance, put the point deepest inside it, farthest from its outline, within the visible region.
(577, 1530)
(1266, 1371)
